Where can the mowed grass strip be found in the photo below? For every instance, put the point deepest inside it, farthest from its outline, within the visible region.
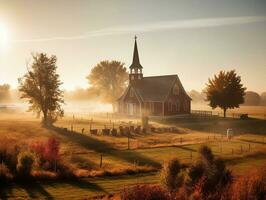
(89, 187)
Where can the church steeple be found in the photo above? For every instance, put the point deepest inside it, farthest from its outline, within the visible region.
(135, 67)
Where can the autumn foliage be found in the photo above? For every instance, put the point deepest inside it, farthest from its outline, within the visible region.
(47, 152)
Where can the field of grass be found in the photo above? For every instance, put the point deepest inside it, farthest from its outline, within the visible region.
(147, 152)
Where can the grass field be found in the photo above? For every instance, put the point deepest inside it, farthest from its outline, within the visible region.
(147, 152)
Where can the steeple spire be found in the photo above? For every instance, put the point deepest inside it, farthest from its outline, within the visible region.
(135, 67)
(135, 63)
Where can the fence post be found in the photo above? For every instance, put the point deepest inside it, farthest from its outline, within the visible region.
(241, 148)
(232, 151)
(249, 147)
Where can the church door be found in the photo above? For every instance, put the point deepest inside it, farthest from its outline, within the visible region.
(131, 109)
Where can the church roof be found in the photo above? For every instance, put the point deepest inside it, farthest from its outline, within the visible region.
(155, 88)
(135, 63)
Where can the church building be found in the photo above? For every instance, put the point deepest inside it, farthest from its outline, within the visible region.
(152, 95)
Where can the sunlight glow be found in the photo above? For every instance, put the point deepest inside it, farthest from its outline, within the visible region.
(3, 36)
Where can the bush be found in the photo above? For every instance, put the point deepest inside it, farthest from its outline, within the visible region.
(145, 192)
(206, 154)
(48, 153)
(25, 164)
(251, 186)
(5, 174)
(8, 153)
(208, 177)
(65, 171)
(170, 175)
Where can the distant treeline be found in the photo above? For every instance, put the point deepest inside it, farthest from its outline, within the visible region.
(11, 95)
(8, 95)
(251, 98)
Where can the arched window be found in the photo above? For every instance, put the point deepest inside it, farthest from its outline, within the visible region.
(131, 93)
(176, 89)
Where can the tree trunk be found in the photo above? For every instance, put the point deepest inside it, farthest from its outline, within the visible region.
(225, 112)
(44, 118)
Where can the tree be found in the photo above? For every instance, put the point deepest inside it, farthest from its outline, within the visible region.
(4, 92)
(252, 98)
(40, 85)
(263, 98)
(225, 91)
(109, 78)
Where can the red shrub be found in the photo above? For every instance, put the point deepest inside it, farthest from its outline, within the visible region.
(52, 150)
(48, 153)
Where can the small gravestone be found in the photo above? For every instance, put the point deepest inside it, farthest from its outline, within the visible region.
(94, 131)
(114, 132)
(106, 131)
(121, 130)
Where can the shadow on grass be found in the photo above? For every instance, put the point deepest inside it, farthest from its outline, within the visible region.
(35, 190)
(105, 148)
(220, 125)
(186, 148)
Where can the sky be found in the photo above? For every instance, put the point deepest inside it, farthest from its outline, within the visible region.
(192, 38)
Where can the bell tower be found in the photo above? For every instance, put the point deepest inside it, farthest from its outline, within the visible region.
(135, 67)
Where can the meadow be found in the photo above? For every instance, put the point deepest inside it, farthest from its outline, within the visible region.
(134, 159)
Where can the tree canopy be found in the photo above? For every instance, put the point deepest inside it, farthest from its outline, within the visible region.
(225, 90)
(40, 85)
(252, 98)
(109, 78)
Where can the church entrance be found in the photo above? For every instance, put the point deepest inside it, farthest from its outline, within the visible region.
(131, 109)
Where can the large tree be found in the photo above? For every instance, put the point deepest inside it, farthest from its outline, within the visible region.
(225, 91)
(40, 85)
(109, 78)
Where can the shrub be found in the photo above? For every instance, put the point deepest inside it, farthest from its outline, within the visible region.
(52, 150)
(171, 177)
(5, 174)
(25, 164)
(208, 177)
(145, 192)
(65, 171)
(8, 153)
(251, 186)
(39, 150)
(206, 154)
(48, 153)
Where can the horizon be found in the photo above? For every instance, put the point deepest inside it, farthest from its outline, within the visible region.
(170, 41)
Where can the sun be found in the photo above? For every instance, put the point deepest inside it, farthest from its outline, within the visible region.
(3, 35)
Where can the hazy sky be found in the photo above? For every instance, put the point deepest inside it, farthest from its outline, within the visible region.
(191, 38)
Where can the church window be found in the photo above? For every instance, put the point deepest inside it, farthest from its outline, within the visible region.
(131, 93)
(176, 89)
